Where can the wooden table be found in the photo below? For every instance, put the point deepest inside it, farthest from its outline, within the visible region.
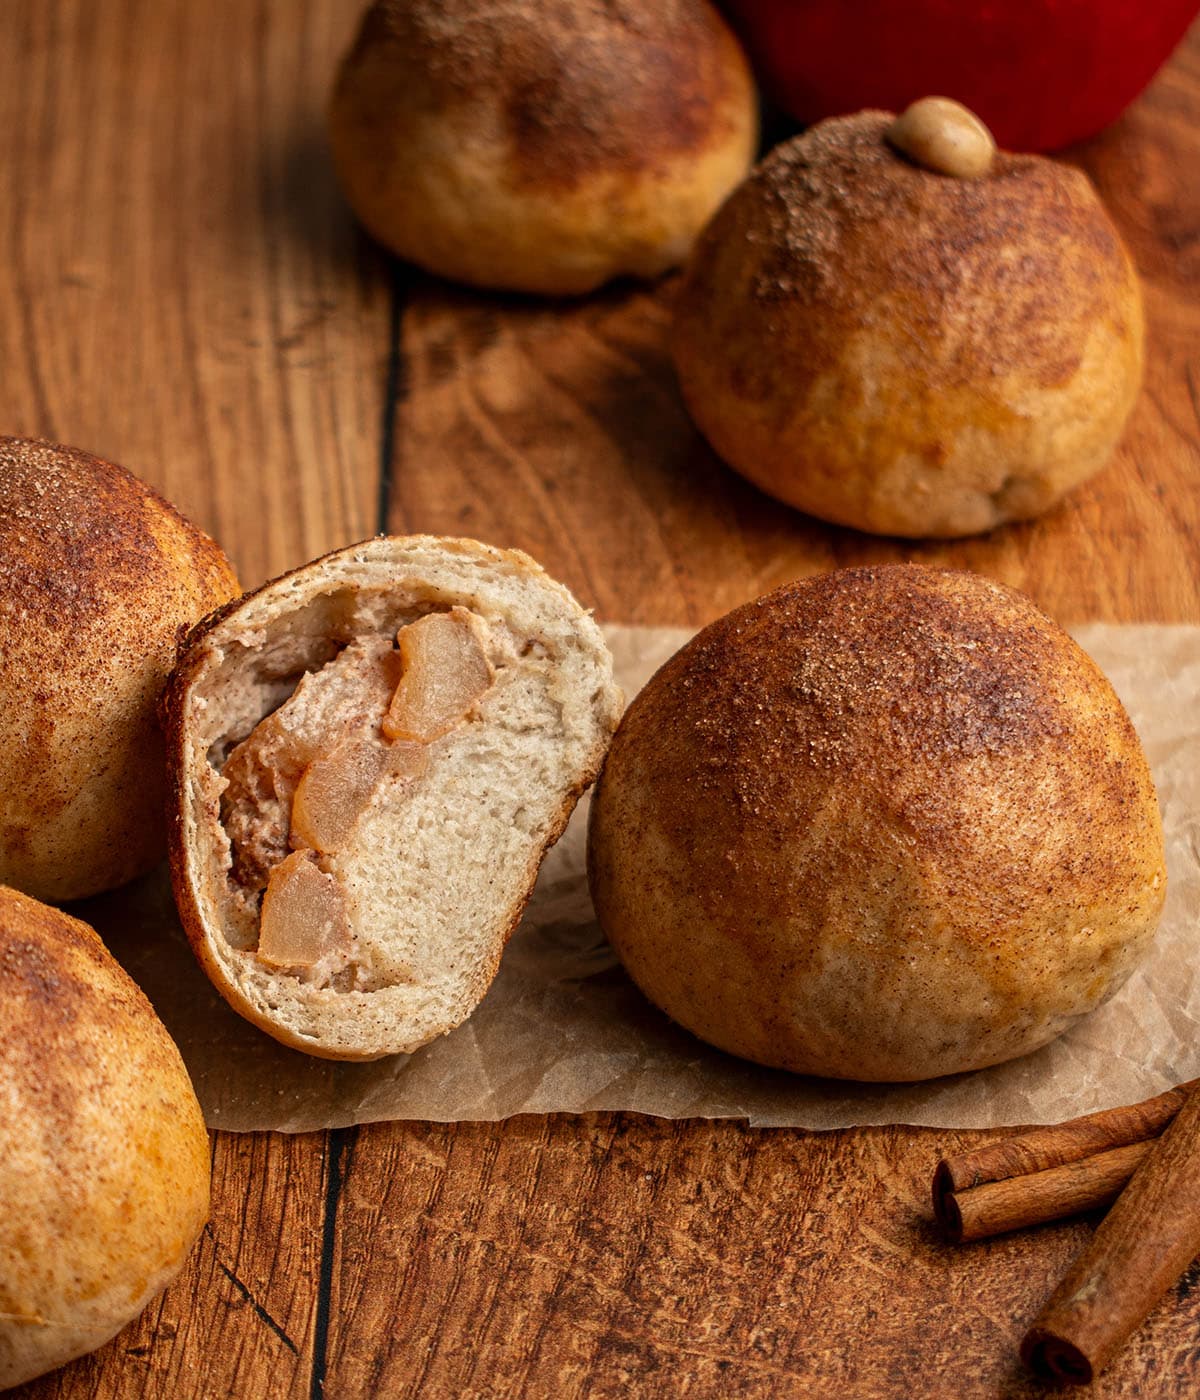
(182, 290)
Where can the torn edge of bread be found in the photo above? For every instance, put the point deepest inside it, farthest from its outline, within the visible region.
(362, 798)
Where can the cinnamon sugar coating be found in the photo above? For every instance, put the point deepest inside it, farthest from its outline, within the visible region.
(105, 1184)
(99, 579)
(888, 348)
(883, 824)
(542, 146)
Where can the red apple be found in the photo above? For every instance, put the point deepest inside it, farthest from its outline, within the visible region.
(1041, 73)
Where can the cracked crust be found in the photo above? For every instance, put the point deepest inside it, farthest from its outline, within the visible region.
(438, 879)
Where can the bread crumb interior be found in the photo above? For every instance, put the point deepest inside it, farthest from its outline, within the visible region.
(362, 723)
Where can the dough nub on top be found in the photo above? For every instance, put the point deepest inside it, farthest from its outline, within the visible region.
(370, 757)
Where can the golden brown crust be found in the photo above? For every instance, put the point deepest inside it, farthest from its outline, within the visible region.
(572, 120)
(900, 779)
(564, 78)
(99, 576)
(77, 530)
(848, 315)
(838, 200)
(105, 1184)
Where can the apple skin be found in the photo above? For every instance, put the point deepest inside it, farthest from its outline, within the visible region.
(1041, 73)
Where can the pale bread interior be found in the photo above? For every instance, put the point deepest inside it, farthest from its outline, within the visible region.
(438, 867)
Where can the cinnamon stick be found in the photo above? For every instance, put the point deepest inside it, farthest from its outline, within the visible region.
(1048, 1173)
(1140, 1248)
(1056, 1194)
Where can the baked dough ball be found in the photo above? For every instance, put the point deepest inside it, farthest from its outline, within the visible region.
(99, 578)
(903, 351)
(370, 757)
(106, 1167)
(545, 145)
(883, 824)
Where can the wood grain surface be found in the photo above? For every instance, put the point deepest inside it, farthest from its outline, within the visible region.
(182, 290)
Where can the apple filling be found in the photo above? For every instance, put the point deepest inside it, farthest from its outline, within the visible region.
(335, 788)
(297, 786)
(303, 914)
(445, 673)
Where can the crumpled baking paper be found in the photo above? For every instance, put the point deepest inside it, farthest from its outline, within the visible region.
(564, 1030)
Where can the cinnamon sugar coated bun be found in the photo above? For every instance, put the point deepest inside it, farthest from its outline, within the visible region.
(543, 145)
(370, 757)
(883, 824)
(906, 351)
(106, 1158)
(99, 578)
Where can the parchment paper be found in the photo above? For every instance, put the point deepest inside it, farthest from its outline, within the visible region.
(563, 1029)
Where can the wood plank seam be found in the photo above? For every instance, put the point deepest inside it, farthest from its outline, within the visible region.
(340, 1141)
(394, 392)
(339, 1150)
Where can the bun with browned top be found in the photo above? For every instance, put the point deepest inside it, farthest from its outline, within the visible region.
(99, 577)
(904, 351)
(542, 146)
(884, 824)
(370, 757)
(104, 1186)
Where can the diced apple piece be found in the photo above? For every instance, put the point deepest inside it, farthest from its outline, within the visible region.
(333, 793)
(303, 915)
(336, 787)
(445, 673)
